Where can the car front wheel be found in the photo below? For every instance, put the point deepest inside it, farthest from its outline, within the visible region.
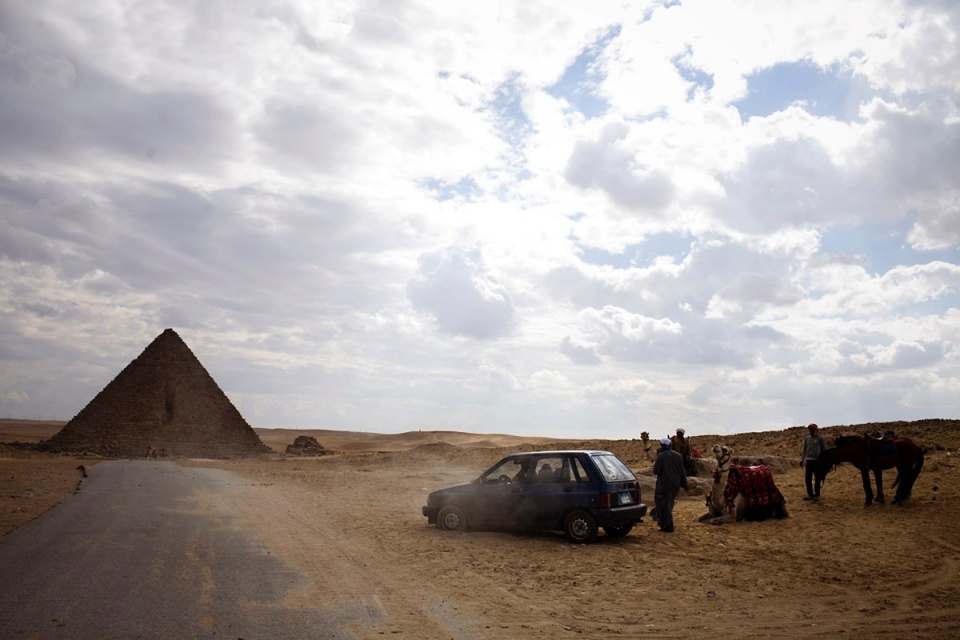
(580, 527)
(452, 519)
(618, 532)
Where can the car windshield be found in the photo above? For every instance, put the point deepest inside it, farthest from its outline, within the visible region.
(612, 469)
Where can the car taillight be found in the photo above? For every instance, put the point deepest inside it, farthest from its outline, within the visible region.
(606, 499)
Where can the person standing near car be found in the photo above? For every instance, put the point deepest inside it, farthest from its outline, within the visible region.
(671, 477)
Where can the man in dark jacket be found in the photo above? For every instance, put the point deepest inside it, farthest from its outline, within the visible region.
(671, 477)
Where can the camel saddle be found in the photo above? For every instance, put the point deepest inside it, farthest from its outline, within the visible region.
(756, 484)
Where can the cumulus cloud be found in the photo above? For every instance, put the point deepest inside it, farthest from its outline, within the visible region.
(53, 114)
(619, 389)
(752, 291)
(909, 355)
(604, 165)
(465, 299)
(634, 337)
(939, 227)
(848, 289)
(496, 378)
(919, 54)
(577, 353)
(311, 135)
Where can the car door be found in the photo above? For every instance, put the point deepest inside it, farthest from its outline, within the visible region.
(539, 495)
(581, 485)
(498, 497)
(553, 494)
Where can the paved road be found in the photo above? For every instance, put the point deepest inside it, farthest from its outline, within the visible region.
(131, 556)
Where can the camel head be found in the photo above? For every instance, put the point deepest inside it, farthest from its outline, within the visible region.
(722, 454)
(644, 436)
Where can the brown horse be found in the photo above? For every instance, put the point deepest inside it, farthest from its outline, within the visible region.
(868, 453)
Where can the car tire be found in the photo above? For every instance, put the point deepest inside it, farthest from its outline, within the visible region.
(580, 527)
(452, 519)
(618, 532)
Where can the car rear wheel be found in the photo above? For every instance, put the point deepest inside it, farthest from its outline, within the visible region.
(618, 532)
(580, 527)
(452, 519)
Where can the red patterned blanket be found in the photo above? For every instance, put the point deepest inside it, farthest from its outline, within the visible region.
(757, 486)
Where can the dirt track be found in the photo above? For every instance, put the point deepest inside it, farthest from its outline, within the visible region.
(353, 524)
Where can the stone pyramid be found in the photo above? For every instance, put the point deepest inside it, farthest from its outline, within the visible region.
(164, 403)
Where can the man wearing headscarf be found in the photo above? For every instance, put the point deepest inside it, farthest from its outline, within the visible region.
(681, 444)
(813, 446)
(671, 477)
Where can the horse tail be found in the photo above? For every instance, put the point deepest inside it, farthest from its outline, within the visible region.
(917, 467)
(914, 472)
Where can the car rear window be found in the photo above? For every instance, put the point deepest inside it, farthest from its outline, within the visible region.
(613, 469)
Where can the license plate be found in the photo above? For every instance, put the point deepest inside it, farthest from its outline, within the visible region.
(626, 497)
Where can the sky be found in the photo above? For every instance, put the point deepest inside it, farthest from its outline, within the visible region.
(546, 218)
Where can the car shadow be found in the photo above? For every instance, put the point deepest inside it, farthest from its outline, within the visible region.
(552, 537)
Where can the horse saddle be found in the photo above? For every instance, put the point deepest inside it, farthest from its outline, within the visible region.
(881, 449)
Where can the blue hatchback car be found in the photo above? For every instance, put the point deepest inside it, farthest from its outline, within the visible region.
(573, 491)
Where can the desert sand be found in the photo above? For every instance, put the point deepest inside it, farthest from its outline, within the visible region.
(351, 522)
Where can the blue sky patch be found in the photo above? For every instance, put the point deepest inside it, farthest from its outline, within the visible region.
(643, 254)
(578, 84)
(833, 92)
(698, 79)
(513, 123)
(465, 188)
(882, 246)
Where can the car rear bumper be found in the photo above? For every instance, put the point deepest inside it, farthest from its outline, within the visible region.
(620, 516)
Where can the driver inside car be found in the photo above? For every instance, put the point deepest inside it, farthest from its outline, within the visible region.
(520, 475)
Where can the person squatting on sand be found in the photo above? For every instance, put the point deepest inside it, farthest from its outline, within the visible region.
(671, 477)
(813, 446)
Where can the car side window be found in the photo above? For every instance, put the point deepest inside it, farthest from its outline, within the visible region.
(508, 471)
(549, 469)
(577, 471)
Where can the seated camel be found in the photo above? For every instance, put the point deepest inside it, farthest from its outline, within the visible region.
(742, 493)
